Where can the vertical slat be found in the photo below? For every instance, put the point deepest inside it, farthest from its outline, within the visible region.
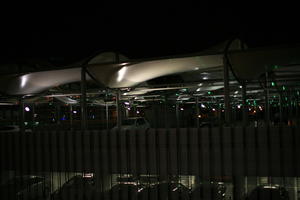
(54, 150)
(152, 152)
(24, 153)
(297, 151)
(194, 152)
(114, 152)
(122, 152)
(227, 151)
(142, 154)
(216, 153)
(250, 151)
(172, 151)
(105, 161)
(206, 161)
(239, 151)
(183, 151)
(131, 151)
(262, 148)
(77, 142)
(238, 162)
(161, 137)
(287, 148)
(275, 156)
(38, 151)
(61, 155)
(14, 150)
(86, 151)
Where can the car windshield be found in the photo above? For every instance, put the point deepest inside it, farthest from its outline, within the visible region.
(128, 122)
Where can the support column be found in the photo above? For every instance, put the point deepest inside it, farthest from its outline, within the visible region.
(197, 112)
(165, 113)
(245, 107)
(12, 117)
(267, 107)
(83, 100)
(219, 113)
(280, 109)
(71, 117)
(106, 115)
(226, 93)
(58, 114)
(33, 114)
(21, 115)
(297, 110)
(177, 115)
(118, 108)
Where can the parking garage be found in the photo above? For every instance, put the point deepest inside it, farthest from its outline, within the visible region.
(222, 123)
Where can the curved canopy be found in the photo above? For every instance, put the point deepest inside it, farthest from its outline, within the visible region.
(250, 64)
(128, 75)
(116, 71)
(37, 82)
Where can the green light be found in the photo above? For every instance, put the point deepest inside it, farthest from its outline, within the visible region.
(283, 87)
(177, 94)
(209, 92)
(273, 84)
(286, 98)
(297, 92)
(275, 66)
(254, 103)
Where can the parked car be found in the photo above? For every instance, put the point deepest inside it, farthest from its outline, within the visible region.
(211, 191)
(123, 191)
(25, 188)
(133, 123)
(165, 191)
(273, 192)
(78, 187)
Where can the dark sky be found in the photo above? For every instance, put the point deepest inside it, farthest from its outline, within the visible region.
(141, 33)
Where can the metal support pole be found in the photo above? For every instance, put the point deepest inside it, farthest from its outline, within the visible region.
(12, 119)
(71, 117)
(291, 101)
(57, 114)
(165, 112)
(267, 107)
(197, 112)
(297, 110)
(33, 115)
(83, 100)
(177, 115)
(280, 108)
(226, 93)
(106, 111)
(118, 108)
(219, 113)
(21, 115)
(245, 107)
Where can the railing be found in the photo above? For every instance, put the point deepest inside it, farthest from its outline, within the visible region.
(207, 154)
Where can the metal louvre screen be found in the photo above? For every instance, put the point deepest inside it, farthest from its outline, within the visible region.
(182, 164)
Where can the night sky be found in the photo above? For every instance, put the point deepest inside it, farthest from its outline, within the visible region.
(145, 33)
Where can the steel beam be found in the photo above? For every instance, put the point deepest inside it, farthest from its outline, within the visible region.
(83, 100)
